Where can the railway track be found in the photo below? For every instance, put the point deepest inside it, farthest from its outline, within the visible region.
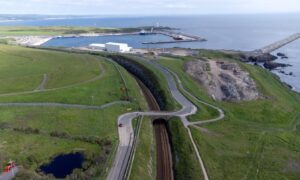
(164, 158)
(164, 155)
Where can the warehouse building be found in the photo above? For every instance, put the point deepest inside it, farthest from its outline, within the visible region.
(117, 47)
(97, 46)
(111, 47)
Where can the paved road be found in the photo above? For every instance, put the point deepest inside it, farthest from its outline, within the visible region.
(118, 169)
(126, 135)
(221, 112)
(187, 123)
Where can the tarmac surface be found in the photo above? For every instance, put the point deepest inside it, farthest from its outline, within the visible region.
(126, 133)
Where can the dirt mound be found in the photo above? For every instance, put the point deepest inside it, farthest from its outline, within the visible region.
(223, 80)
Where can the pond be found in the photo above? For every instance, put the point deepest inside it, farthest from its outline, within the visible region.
(63, 165)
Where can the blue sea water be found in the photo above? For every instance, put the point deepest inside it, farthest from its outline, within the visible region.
(239, 32)
(135, 41)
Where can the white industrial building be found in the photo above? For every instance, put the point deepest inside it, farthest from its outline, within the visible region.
(97, 46)
(111, 47)
(117, 47)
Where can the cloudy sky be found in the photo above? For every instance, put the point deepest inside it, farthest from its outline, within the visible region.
(146, 7)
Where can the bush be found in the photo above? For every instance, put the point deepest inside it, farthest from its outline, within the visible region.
(28, 130)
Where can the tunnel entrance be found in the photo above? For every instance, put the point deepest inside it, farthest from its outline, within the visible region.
(164, 155)
(163, 150)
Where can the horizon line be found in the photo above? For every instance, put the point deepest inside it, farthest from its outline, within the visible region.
(143, 15)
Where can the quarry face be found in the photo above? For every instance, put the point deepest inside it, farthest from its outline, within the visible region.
(223, 80)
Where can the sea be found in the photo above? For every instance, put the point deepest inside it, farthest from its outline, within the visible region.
(230, 32)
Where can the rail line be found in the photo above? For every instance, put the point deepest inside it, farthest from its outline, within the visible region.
(188, 108)
(164, 155)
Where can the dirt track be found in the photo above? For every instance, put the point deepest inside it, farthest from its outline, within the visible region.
(164, 156)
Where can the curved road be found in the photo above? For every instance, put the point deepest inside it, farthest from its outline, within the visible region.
(126, 134)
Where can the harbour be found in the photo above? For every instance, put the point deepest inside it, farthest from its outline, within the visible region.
(243, 33)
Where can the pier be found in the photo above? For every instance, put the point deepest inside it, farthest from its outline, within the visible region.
(274, 46)
(177, 37)
(169, 42)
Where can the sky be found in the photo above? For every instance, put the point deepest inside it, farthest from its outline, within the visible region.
(147, 7)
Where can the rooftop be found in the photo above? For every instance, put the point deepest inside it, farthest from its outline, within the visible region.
(114, 43)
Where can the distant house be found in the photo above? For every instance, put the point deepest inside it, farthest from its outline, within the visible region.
(111, 47)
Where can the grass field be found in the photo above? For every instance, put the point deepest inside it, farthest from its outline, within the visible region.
(31, 136)
(258, 139)
(171, 103)
(75, 122)
(177, 65)
(60, 30)
(72, 78)
(53, 30)
(185, 162)
(32, 150)
(26, 68)
(144, 163)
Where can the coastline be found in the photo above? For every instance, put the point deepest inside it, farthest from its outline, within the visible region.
(36, 41)
(40, 40)
(31, 40)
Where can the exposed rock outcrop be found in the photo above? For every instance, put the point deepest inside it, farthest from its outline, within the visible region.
(260, 58)
(223, 80)
(274, 65)
(282, 55)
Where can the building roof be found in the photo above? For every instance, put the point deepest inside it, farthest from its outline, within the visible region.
(117, 44)
(97, 45)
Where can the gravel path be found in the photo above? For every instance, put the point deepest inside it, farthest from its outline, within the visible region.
(42, 86)
(102, 73)
(78, 106)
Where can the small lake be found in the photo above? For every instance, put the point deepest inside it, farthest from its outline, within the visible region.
(135, 41)
(63, 165)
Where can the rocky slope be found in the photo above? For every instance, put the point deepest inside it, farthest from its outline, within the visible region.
(224, 81)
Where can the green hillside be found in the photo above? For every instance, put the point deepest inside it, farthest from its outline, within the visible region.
(33, 135)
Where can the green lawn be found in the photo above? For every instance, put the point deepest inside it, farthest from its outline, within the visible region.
(171, 103)
(27, 132)
(177, 65)
(258, 139)
(23, 69)
(34, 150)
(76, 122)
(72, 78)
(51, 30)
(144, 162)
(64, 30)
(185, 161)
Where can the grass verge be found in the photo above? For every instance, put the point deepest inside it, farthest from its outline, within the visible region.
(257, 139)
